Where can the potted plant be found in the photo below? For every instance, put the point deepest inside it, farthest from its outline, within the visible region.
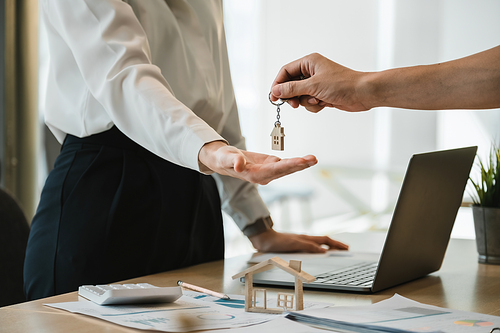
(486, 208)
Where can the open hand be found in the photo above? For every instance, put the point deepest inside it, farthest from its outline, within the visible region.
(252, 167)
(272, 241)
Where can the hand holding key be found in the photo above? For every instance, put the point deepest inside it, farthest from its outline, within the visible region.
(324, 84)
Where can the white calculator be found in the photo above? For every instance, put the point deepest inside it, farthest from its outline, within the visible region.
(129, 293)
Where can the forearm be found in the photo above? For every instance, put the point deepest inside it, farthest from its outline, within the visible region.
(468, 83)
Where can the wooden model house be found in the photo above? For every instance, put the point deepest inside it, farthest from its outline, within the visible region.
(284, 300)
(278, 135)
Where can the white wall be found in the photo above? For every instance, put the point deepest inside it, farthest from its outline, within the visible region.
(468, 27)
(365, 35)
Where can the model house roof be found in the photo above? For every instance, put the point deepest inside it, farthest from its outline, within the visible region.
(278, 131)
(290, 268)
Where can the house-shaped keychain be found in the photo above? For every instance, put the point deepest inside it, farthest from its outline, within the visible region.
(278, 137)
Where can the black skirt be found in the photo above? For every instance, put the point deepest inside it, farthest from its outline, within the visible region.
(111, 210)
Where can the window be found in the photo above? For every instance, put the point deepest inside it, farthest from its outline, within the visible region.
(264, 35)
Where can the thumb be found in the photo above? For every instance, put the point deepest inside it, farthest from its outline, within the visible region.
(231, 158)
(239, 163)
(290, 89)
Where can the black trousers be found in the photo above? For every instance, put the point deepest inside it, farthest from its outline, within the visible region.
(111, 210)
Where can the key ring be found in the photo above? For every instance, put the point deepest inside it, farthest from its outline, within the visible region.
(277, 103)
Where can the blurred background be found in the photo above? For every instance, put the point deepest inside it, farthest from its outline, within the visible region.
(362, 156)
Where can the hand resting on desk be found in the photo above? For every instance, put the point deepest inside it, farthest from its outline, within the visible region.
(273, 241)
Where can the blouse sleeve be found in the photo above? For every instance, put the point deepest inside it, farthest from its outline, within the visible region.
(112, 53)
(240, 199)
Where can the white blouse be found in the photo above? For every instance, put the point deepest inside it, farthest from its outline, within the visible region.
(157, 69)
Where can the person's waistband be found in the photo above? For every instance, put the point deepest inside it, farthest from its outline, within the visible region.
(112, 137)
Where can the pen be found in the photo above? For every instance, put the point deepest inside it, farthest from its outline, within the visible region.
(202, 290)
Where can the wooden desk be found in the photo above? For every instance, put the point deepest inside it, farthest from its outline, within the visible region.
(461, 284)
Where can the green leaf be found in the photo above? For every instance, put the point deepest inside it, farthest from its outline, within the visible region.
(487, 188)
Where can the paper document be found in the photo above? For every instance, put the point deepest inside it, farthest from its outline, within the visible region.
(397, 314)
(238, 301)
(193, 311)
(277, 325)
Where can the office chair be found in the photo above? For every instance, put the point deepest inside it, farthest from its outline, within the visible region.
(14, 230)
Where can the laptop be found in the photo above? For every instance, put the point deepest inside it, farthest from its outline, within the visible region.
(417, 238)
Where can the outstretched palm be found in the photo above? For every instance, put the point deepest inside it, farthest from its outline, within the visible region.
(255, 167)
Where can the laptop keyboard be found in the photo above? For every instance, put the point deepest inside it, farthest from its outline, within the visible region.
(361, 275)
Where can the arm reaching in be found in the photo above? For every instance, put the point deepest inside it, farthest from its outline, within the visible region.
(257, 168)
(471, 82)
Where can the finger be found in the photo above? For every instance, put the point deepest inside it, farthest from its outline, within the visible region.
(321, 103)
(331, 243)
(311, 159)
(289, 71)
(307, 161)
(263, 160)
(307, 100)
(271, 171)
(291, 89)
(310, 103)
(325, 240)
(314, 108)
(312, 100)
(265, 168)
(272, 97)
(308, 246)
(334, 244)
(293, 102)
(295, 243)
(272, 159)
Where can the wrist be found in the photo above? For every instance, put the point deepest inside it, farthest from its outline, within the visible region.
(369, 90)
(260, 226)
(262, 241)
(206, 156)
